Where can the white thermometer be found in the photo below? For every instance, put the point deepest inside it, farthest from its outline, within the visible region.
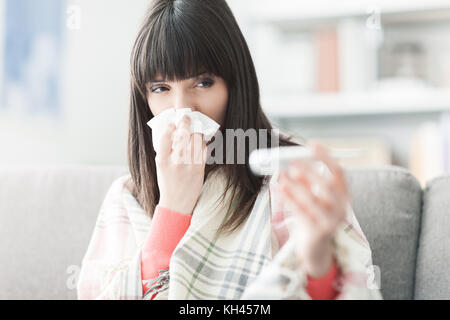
(268, 161)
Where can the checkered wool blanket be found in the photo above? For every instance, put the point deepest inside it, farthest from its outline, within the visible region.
(255, 262)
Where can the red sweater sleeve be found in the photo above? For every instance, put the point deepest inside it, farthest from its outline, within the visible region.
(166, 230)
(322, 288)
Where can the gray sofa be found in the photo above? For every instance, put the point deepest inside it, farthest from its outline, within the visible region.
(47, 216)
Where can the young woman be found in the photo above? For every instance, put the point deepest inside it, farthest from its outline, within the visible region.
(177, 230)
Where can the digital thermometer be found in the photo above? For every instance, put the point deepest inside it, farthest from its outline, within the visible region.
(268, 161)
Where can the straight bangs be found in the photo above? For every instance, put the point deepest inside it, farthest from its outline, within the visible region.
(177, 47)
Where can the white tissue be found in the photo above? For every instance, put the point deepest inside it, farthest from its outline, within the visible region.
(199, 124)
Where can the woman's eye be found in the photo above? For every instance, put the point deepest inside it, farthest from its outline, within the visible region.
(158, 89)
(207, 83)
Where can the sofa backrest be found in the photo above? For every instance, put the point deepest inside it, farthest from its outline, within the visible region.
(47, 217)
(433, 260)
(46, 220)
(387, 205)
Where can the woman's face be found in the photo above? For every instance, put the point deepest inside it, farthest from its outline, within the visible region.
(205, 93)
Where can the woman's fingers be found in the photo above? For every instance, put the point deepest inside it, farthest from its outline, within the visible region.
(188, 148)
(291, 200)
(320, 200)
(321, 154)
(196, 148)
(298, 170)
(181, 140)
(305, 172)
(303, 197)
(165, 144)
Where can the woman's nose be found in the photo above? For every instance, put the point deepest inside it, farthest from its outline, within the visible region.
(184, 105)
(183, 98)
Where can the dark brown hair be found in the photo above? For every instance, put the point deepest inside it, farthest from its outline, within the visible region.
(178, 39)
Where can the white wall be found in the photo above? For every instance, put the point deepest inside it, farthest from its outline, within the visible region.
(97, 80)
(93, 128)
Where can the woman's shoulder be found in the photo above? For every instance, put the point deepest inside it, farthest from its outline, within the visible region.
(119, 187)
(120, 201)
(122, 183)
(128, 184)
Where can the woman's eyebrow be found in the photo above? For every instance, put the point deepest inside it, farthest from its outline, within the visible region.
(191, 77)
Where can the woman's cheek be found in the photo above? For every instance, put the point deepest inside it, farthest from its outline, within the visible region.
(215, 111)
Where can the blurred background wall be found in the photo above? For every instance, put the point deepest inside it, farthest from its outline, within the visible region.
(351, 73)
(89, 124)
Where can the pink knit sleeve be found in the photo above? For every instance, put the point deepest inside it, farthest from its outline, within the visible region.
(166, 230)
(322, 288)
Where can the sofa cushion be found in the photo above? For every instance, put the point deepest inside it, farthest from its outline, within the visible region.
(47, 216)
(387, 204)
(432, 280)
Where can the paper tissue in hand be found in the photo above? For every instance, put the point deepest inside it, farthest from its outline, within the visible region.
(199, 124)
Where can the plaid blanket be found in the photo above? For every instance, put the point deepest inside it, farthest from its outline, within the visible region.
(255, 262)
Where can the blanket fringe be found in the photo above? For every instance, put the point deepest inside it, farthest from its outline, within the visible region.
(157, 285)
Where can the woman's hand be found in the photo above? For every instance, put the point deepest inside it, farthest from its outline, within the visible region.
(320, 211)
(181, 167)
